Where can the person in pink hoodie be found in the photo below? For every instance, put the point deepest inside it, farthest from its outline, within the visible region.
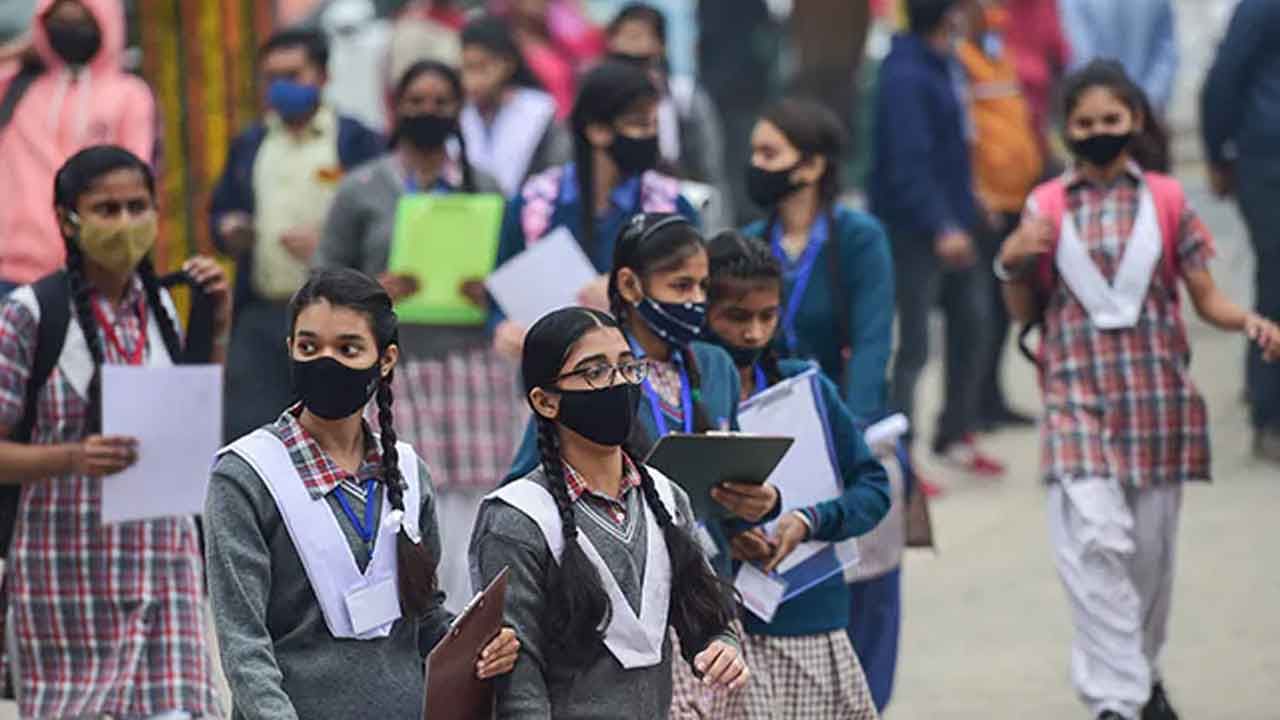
(80, 97)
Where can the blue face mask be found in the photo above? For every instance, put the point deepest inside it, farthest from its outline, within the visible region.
(294, 101)
(677, 323)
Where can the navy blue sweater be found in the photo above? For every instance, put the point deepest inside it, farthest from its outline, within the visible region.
(921, 183)
(1241, 98)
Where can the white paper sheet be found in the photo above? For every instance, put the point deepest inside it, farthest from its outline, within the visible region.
(761, 594)
(546, 277)
(176, 415)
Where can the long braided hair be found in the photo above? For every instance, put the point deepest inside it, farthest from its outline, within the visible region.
(578, 609)
(740, 265)
(454, 81)
(75, 178)
(610, 90)
(649, 243)
(347, 288)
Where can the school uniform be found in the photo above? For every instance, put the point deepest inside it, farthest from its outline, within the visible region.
(839, 310)
(116, 608)
(630, 675)
(805, 661)
(284, 558)
(551, 199)
(522, 138)
(456, 397)
(1124, 424)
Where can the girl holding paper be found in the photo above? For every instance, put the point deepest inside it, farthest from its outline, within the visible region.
(461, 406)
(124, 618)
(1098, 261)
(804, 660)
(508, 122)
(599, 547)
(321, 535)
(611, 178)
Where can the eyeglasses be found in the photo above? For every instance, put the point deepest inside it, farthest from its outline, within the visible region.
(601, 376)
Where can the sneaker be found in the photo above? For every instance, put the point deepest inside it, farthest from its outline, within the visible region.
(1158, 707)
(964, 455)
(1266, 444)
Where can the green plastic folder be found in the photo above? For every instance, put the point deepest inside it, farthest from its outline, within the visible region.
(444, 240)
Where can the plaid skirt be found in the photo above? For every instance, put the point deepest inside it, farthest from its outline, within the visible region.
(808, 677)
(463, 413)
(691, 700)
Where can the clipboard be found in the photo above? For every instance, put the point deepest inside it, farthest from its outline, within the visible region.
(452, 689)
(698, 463)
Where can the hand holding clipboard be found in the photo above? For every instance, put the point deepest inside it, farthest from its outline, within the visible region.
(476, 649)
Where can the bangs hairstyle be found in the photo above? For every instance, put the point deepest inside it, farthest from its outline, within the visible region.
(577, 608)
(1150, 147)
(353, 290)
(815, 131)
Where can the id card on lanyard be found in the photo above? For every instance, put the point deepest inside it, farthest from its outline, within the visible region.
(799, 273)
(655, 402)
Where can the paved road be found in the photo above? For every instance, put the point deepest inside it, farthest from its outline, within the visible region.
(986, 629)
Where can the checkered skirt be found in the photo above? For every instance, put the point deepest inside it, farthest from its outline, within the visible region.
(463, 413)
(808, 677)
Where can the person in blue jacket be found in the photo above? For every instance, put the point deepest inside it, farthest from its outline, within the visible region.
(267, 212)
(657, 290)
(743, 314)
(611, 178)
(837, 309)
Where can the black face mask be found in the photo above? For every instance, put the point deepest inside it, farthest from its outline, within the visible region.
(427, 131)
(1100, 150)
(742, 356)
(767, 188)
(333, 390)
(634, 155)
(76, 43)
(602, 416)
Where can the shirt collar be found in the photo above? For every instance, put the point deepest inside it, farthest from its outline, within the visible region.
(1074, 178)
(577, 485)
(623, 197)
(322, 123)
(134, 292)
(319, 473)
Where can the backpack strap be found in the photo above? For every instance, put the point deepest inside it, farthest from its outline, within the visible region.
(1171, 203)
(1051, 202)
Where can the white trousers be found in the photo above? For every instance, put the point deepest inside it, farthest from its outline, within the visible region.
(456, 514)
(1114, 549)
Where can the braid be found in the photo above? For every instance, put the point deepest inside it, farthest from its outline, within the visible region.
(89, 327)
(769, 363)
(701, 420)
(168, 331)
(468, 174)
(579, 609)
(415, 566)
(582, 157)
(702, 603)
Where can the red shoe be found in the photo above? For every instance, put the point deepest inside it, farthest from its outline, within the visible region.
(964, 455)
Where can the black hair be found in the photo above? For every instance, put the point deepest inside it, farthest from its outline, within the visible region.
(76, 177)
(739, 263)
(1150, 149)
(493, 34)
(814, 130)
(577, 608)
(606, 92)
(925, 16)
(640, 12)
(653, 242)
(451, 78)
(313, 42)
(347, 288)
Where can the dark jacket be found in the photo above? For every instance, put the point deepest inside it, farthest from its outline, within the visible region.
(921, 183)
(1241, 98)
(357, 145)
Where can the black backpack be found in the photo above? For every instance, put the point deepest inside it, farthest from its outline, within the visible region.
(53, 297)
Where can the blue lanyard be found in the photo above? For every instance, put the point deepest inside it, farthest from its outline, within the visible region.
(364, 529)
(762, 382)
(655, 401)
(802, 272)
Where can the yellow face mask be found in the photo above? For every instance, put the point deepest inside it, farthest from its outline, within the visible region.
(118, 247)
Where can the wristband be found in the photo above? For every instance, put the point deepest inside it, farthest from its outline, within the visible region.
(1005, 275)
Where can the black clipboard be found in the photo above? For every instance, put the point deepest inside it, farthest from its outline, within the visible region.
(698, 463)
(452, 689)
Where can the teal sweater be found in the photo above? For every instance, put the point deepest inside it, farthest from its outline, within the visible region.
(865, 502)
(865, 268)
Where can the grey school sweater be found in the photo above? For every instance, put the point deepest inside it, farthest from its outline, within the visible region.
(279, 657)
(543, 686)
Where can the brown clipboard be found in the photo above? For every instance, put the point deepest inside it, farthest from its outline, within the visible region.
(452, 689)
